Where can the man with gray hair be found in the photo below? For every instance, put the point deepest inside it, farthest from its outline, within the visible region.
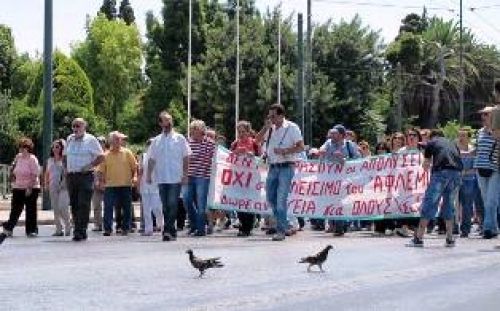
(81, 155)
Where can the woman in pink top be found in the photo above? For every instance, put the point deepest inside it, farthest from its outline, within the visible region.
(25, 189)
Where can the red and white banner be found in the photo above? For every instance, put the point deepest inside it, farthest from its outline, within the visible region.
(390, 186)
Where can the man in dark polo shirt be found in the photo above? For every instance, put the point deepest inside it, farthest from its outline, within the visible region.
(444, 183)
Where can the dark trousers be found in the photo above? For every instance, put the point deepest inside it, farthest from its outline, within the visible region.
(181, 214)
(80, 195)
(169, 194)
(247, 221)
(120, 197)
(19, 201)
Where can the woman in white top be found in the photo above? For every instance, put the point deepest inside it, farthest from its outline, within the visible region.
(58, 192)
(150, 196)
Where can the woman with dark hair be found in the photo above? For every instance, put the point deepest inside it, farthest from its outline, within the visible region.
(58, 192)
(25, 189)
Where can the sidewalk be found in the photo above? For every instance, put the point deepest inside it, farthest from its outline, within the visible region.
(44, 217)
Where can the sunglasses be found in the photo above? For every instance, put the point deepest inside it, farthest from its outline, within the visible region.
(412, 135)
(75, 126)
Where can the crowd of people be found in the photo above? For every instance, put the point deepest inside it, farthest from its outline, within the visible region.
(172, 177)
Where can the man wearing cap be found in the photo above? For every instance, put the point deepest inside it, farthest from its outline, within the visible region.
(117, 173)
(283, 144)
(81, 155)
(338, 149)
(488, 174)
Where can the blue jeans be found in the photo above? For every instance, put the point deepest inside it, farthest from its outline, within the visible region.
(279, 180)
(121, 197)
(466, 195)
(195, 200)
(491, 196)
(169, 194)
(443, 184)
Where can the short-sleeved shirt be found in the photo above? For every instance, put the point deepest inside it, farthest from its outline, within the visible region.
(248, 144)
(348, 149)
(444, 153)
(286, 136)
(25, 170)
(118, 168)
(200, 160)
(168, 151)
(81, 152)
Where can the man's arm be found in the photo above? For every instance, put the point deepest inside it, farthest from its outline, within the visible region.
(185, 168)
(260, 137)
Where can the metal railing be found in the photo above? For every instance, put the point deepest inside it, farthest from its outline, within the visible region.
(4, 180)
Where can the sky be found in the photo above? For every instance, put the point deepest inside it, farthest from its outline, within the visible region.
(25, 17)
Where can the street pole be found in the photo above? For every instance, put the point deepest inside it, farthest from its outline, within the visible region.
(47, 92)
(237, 82)
(309, 75)
(462, 82)
(278, 91)
(300, 73)
(399, 112)
(189, 65)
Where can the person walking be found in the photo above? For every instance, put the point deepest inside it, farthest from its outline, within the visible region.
(55, 181)
(169, 160)
(82, 154)
(444, 184)
(283, 144)
(25, 189)
(117, 172)
(200, 167)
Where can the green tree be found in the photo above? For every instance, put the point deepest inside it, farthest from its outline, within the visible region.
(111, 57)
(108, 8)
(7, 57)
(126, 12)
(70, 83)
(24, 74)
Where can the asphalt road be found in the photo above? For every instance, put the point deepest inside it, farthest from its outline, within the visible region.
(143, 273)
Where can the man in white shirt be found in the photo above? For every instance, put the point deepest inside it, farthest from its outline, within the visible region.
(169, 154)
(283, 144)
(81, 155)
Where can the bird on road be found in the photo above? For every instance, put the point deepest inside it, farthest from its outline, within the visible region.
(203, 264)
(318, 259)
(2, 237)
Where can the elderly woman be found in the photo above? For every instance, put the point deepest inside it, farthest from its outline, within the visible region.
(25, 189)
(200, 164)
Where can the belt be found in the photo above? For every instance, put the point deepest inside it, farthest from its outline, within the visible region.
(81, 173)
(282, 165)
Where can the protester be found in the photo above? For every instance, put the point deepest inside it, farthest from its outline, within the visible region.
(55, 181)
(25, 189)
(98, 194)
(245, 145)
(200, 167)
(338, 149)
(283, 142)
(117, 172)
(364, 149)
(469, 189)
(487, 174)
(169, 160)
(82, 154)
(444, 184)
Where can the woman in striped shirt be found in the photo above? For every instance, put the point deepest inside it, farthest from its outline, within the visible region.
(200, 165)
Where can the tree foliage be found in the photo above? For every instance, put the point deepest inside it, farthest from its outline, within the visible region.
(7, 57)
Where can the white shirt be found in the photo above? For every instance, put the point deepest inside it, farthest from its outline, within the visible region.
(145, 187)
(81, 152)
(286, 136)
(168, 152)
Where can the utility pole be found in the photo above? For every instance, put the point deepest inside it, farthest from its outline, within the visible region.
(189, 65)
(237, 82)
(300, 73)
(399, 112)
(47, 94)
(462, 80)
(278, 91)
(309, 134)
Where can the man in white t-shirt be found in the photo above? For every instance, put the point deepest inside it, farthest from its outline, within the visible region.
(283, 144)
(168, 159)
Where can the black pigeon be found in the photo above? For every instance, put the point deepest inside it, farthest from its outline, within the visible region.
(2, 237)
(203, 264)
(317, 260)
